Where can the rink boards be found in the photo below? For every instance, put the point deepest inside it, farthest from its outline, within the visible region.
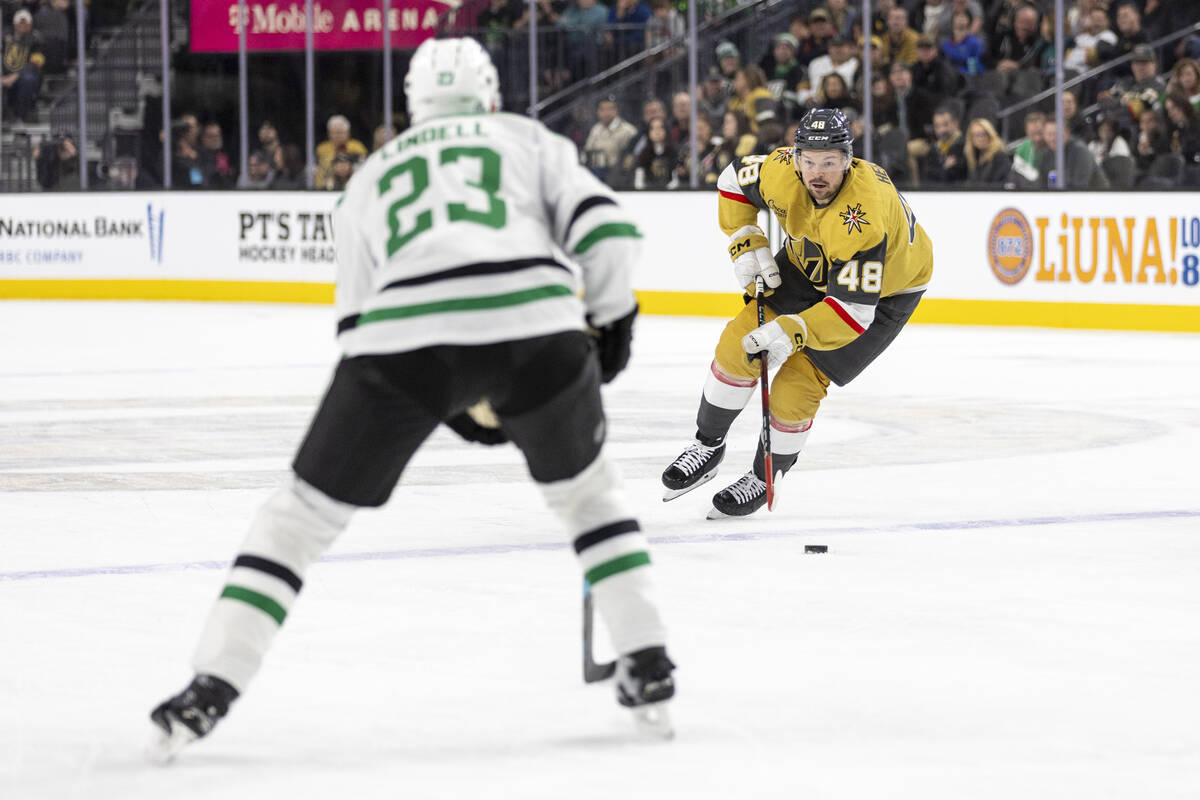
(1071, 259)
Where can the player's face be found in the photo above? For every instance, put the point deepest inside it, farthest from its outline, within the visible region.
(822, 172)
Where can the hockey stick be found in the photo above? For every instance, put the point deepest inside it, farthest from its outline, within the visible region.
(592, 672)
(764, 437)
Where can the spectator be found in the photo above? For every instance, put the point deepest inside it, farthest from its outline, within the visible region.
(124, 174)
(987, 161)
(834, 93)
(974, 12)
(185, 159)
(932, 72)
(1182, 128)
(655, 166)
(218, 172)
(1025, 173)
(1075, 122)
(549, 14)
(1000, 16)
(191, 129)
(584, 22)
(942, 162)
(1093, 32)
(729, 60)
(1152, 140)
(882, 9)
(628, 38)
(708, 146)
(268, 139)
(816, 41)
(1082, 171)
(652, 109)
(607, 140)
(714, 95)
(289, 168)
(1185, 78)
(1129, 36)
(23, 60)
(665, 24)
(843, 17)
(736, 139)
(929, 15)
(1144, 88)
(1109, 141)
(841, 59)
(752, 97)
(681, 118)
(57, 164)
(496, 23)
(885, 114)
(1020, 48)
(900, 42)
(963, 50)
(382, 135)
(786, 76)
(1078, 14)
(339, 141)
(259, 172)
(342, 170)
(50, 22)
(914, 106)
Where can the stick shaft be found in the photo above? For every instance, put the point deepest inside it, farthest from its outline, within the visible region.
(765, 435)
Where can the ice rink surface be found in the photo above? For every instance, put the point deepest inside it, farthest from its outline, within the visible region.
(1010, 605)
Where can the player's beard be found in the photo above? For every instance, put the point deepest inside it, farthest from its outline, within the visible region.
(822, 190)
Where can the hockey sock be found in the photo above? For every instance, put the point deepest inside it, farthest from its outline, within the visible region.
(612, 552)
(289, 532)
(723, 399)
(787, 440)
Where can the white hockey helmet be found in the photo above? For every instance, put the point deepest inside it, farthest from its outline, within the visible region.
(451, 76)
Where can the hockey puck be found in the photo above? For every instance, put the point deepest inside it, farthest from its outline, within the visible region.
(816, 548)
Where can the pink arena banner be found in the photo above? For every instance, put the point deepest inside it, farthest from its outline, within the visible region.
(337, 24)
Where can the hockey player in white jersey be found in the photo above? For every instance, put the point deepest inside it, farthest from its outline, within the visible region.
(451, 291)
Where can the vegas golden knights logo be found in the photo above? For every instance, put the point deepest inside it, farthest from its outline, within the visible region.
(809, 257)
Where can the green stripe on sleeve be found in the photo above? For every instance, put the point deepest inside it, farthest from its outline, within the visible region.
(465, 304)
(605, 231)
(259, 601)
(619, 564)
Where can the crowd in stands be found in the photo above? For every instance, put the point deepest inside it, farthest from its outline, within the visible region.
(941, 72)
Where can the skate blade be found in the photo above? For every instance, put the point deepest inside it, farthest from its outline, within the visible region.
(654, 721)
(163, 747)
(671, 494)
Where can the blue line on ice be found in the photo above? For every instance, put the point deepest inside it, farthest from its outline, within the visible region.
(700, 538)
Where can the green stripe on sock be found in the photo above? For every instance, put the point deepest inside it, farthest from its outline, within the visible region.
(465, 304)
(259, 601)
(605, 231)
(620, 564)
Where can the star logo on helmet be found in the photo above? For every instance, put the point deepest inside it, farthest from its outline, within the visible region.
(854, 218)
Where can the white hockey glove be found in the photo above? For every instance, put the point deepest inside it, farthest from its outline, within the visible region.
(778, 339)
(748, 247)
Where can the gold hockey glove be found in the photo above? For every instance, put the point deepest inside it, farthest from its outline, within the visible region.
(778, 339)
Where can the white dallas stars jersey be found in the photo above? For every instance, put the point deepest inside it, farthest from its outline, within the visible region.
(454, 233)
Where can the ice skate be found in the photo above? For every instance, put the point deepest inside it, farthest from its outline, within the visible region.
(189, 715)
(695, 466)
(644, 685)
(742, 498)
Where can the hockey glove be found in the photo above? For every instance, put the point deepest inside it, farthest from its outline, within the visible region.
(778, 339)
(613, 343)
(752, 257)
(472, 431)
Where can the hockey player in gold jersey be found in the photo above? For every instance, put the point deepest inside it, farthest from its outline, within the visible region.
(852, 270)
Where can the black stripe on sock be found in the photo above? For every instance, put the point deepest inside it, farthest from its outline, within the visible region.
(586, 205)
(585, 540)
(347, 323)
(273, 568)
(475, 270)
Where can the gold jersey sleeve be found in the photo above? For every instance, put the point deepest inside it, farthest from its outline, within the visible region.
(844, 257)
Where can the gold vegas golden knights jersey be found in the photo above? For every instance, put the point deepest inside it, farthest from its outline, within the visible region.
(854, 269)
